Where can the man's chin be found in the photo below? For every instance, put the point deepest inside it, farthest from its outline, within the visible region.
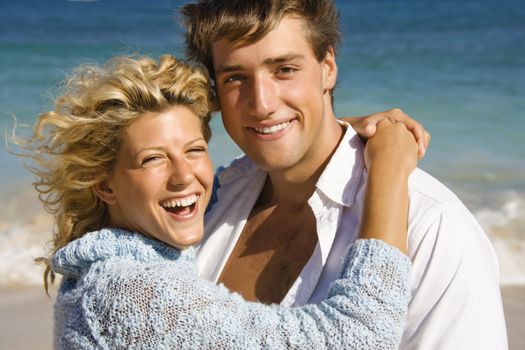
(273, 164)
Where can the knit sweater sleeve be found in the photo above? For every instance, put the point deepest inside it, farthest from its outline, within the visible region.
(160, 307)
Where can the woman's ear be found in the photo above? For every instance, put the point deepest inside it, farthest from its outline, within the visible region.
(105, 193)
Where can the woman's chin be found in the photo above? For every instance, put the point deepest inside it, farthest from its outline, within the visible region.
(186, 241)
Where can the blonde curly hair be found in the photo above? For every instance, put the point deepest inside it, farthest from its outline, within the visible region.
(74, 147)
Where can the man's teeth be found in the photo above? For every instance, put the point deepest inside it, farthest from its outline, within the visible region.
(272, 129)
(183, 202)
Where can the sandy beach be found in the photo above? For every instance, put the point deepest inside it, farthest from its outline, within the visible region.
(26, 318)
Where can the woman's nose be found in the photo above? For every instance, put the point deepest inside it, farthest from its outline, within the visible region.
(181, 173)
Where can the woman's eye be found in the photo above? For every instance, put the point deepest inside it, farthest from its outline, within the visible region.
(198, 150)
(150, 159)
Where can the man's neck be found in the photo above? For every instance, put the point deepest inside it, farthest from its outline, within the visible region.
(294, 186)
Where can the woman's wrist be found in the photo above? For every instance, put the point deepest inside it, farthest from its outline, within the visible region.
(386, 205)
(394, 168)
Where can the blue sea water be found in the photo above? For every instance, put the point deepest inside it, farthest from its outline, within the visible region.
(456, 66)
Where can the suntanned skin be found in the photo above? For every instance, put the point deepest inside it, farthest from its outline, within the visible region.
(276, 243)
(280, 234)
(272, 250)
(276, 80)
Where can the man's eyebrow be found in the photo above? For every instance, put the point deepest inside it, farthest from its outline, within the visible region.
(283, 58)
(227, 69)
(268, 61)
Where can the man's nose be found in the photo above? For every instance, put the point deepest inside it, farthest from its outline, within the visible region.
(263, 97)
(181, 173)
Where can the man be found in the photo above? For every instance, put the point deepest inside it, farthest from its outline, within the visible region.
(287, 210)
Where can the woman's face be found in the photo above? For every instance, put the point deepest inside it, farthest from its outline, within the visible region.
(162, 179)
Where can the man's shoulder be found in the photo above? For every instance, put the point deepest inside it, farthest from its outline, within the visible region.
(240, 182)
(430, 199)
(437, 217)
(434, 208)
(431, 190)
(455, 274)
(240, 167)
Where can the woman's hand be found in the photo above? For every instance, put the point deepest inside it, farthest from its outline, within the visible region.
(366, 126)
(392, 149)
(390, 156)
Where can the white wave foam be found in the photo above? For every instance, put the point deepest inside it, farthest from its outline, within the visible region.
(19, 246)
(502, 216)
(511, 255)
(504, 222)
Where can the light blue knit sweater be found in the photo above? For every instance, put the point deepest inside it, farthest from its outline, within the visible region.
(121, 290)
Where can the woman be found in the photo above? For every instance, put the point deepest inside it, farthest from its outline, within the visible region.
(122, 164)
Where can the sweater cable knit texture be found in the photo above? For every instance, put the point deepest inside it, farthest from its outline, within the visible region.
(121, 290)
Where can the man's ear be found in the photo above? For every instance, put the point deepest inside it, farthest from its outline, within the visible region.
(329, 70)
(105, 193)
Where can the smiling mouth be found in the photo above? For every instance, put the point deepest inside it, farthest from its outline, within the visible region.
(181, 206)
(271, 129)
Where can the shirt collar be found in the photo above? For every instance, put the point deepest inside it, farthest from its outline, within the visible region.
(341, 177)
(339, 180)
(240, 167)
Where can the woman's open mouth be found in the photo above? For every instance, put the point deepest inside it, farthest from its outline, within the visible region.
(182, 207)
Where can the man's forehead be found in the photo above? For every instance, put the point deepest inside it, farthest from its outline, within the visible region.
(286, 41)
(273, 60)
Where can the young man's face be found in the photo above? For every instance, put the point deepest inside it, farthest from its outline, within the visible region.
(274, 95)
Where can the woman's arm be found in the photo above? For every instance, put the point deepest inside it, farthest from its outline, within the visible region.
(155, 306)
(144, 305)
(390, 157)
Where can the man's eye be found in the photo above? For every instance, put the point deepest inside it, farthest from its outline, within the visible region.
(286, 70)
(233, 78)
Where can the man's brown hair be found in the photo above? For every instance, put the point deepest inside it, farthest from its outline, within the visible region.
(247, 21)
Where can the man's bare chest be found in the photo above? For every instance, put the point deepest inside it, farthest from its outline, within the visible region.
(271, 252)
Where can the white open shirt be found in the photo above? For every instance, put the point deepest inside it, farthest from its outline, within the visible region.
(456, 300)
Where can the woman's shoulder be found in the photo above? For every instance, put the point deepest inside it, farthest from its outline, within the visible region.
(117, 281)
(109, 246)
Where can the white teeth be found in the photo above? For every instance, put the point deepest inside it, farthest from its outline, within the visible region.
(272, 129)
(183, 202)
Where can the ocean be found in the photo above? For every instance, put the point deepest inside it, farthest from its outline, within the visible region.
(456, 66)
